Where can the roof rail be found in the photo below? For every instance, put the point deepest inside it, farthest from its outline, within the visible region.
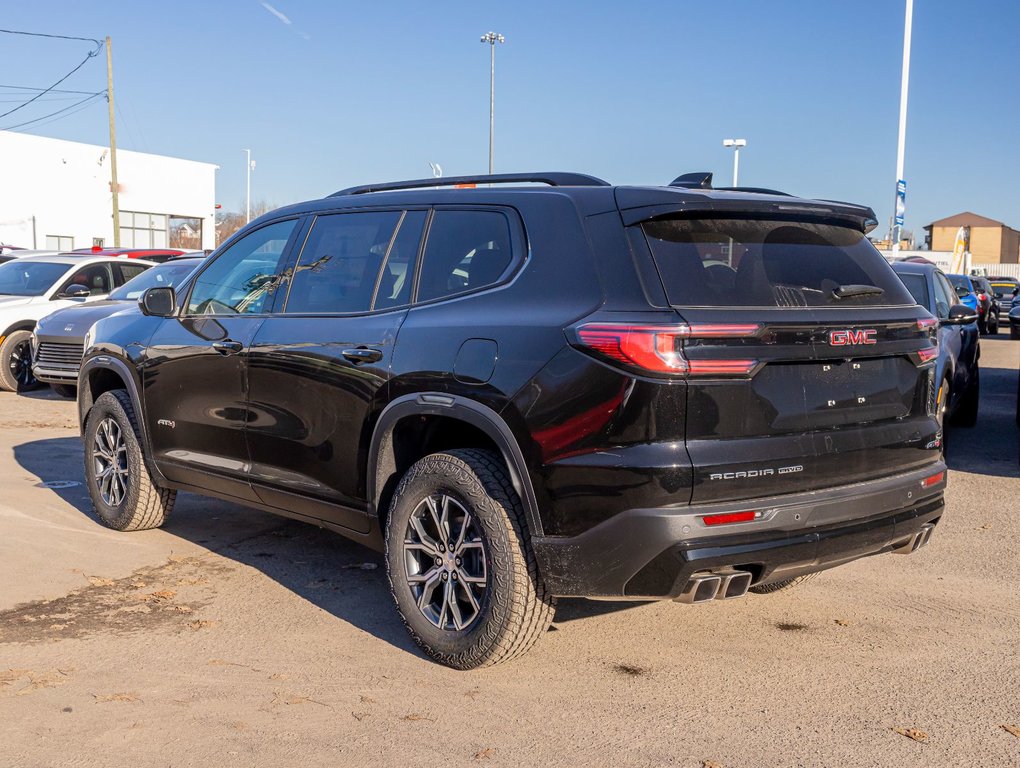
(757, 190)
(554, 179)
(696, 180)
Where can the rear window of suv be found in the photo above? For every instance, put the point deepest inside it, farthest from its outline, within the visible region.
(769, 263)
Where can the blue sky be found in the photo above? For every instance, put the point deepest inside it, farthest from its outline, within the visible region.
(637, 92)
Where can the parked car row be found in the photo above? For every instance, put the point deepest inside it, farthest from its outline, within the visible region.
(34, 284)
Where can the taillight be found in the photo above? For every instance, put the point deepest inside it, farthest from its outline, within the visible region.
(982, 297)
(935, 479)
(926, 355)
(726, 518)
(927, 323)
(658, 348)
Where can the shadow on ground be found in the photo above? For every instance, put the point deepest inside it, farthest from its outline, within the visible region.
(338, 576)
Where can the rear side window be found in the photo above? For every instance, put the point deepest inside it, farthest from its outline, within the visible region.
(465, 251)
(767, 263)
(338, 270)
(918, 287)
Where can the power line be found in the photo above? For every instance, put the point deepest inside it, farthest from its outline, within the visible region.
(91, 54)
(81, 103)
(55, 37)
(51, 90)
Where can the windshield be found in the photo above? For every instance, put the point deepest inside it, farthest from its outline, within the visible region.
(769, 263)
(28, 277)
(960, 282)
(165, 276)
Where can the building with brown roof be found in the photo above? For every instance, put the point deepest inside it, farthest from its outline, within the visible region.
(991, 241)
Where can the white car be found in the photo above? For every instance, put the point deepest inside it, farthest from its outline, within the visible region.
(32, 288)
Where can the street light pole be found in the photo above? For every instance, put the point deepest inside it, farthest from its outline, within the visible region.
(249, 166)
(901, 185)
(492, 38)
(736, 144)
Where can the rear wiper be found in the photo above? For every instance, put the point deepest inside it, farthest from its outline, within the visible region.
(850, 291)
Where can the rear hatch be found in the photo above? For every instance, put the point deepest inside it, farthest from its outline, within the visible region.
(808, 363)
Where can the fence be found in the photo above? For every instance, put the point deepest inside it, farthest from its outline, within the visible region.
(943, 258)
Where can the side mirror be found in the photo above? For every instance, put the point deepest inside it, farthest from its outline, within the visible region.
(960, 314)
(75, 291)
(159, 301)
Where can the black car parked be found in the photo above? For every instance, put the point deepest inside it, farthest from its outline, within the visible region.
(58, 340)
(956, 370)
(989, 305)
(521, 392)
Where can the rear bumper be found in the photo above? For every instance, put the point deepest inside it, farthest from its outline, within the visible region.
(652, 553)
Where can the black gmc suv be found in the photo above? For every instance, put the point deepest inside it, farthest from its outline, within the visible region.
(521, 392)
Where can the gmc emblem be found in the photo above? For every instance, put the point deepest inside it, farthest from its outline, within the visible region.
(848, 338)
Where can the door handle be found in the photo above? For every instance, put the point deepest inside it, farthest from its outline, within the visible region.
(362, 355)
(228, 347)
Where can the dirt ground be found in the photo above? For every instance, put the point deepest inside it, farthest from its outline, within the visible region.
(231, 637)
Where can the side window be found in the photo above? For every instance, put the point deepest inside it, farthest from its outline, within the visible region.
(242, 278)
(398, 273)
(124, 272)
(339, 267)
(945, 296)
(466, 250)
(96, 277)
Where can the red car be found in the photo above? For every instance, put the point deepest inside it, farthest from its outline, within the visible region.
(158, 255)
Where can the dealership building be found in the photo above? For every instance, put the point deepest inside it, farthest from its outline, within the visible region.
(56, 194)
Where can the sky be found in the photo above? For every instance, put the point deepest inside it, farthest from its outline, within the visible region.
(329, 94)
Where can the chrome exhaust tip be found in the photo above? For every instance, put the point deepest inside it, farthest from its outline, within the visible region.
(915, 542)
(701, 588)
(734, 585)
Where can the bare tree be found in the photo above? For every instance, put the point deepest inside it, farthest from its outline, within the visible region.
(228, 222)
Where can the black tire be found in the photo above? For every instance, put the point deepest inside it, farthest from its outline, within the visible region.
(779, 586)
(993, 327)
(1014, 332)
(16, 363)
(983, 327)
(65, 390)
(140, 503)
(514, 609)
(966, 415)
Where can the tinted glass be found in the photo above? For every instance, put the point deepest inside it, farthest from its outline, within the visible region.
(762, 263)
(245, 276)
(918, 287)
(339, 266)
(165, 275)
(28, 277)
(466, 250)
(398, 273)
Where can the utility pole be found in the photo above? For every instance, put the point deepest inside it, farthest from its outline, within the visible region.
(114, 186)
(249, 166)
(492, 38)
(901, 185)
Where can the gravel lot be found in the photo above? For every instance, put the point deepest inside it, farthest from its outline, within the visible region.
(237, 637)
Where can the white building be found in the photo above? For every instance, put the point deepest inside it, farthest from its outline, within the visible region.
(56, 194)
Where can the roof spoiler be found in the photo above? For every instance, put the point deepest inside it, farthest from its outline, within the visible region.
(554, 179)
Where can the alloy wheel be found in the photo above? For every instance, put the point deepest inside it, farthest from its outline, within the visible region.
(109, 462)
(21, 365)
(444, 561)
